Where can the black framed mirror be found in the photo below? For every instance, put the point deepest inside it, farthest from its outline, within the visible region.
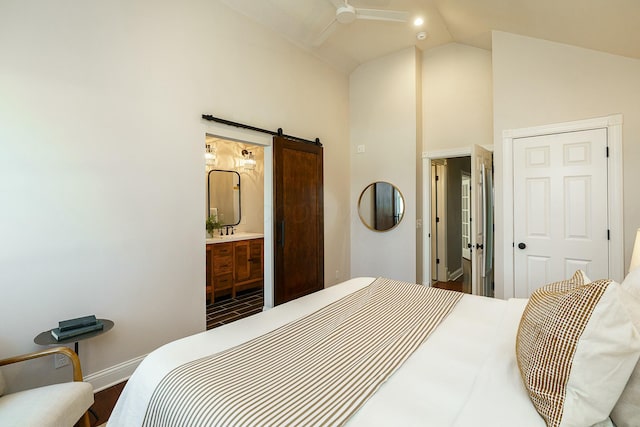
(223, 196)
(381, 206)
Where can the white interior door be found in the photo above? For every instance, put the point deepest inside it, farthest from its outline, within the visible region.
(438, 225)
(481, 164)
(466, 215)
(560, 208)
(434, 225)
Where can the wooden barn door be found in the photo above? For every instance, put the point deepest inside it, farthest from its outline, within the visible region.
(299, 223)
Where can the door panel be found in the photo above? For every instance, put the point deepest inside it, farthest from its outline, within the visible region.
(560, 208)
(466, 216)
(537, 214)
(241, 261)
(441, 222)
(538, 270)
(577, 219)
(298, 201)
(481, 165)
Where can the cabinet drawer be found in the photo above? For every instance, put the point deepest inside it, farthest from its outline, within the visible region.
(222, 265)
(223, 282)
(222, 249)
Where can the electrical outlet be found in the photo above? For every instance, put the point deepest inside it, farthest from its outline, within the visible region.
(360, 149)
(60, 360)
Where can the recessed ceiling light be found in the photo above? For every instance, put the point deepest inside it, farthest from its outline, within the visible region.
(422, 35)
(418, 21)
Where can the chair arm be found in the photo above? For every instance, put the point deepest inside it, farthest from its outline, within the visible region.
(75, 361)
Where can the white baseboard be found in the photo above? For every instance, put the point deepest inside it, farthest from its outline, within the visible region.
(113, 375)
(455, 274)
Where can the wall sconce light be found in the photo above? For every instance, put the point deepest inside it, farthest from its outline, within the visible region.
(248, 162)
(210, 155)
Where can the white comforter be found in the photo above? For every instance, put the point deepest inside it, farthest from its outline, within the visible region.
(465, 374)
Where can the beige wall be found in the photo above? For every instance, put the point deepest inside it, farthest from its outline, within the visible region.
(383, 118)
(101, 160)
(537, 82)
(456, 97)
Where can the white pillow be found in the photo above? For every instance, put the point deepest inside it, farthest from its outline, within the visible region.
(576, 348)
(626, 413)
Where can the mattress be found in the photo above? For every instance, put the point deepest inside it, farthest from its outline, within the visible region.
(464, 374)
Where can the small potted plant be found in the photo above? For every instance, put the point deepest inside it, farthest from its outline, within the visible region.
(213, 224)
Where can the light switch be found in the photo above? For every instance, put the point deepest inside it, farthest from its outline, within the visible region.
(360, 148)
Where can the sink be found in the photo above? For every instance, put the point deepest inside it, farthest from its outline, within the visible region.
(233, 237)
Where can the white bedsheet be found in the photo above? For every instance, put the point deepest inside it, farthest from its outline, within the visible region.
(465, 374)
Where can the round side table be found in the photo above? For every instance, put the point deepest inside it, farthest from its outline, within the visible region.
(45, 338)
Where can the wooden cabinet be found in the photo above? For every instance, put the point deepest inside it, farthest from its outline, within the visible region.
(234, 266)
(248, 266)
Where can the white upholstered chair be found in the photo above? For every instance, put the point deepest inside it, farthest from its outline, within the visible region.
(59, 405)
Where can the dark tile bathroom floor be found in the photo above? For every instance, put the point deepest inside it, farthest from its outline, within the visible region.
(227, 310)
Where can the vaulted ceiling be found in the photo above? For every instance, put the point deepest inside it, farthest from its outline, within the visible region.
(606, 25)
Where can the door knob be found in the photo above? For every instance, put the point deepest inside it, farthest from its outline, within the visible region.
(479, 246)
(521, 245)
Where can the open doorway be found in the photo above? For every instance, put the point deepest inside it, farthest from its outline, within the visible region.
(458, 243)
(451, 223)
(234, 201)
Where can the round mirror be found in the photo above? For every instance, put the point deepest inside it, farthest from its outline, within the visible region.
(381, 206)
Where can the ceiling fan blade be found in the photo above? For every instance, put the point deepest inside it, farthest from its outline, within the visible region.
(325, 33)
(382, 15)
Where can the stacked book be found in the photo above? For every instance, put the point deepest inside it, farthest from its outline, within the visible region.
(73, 327)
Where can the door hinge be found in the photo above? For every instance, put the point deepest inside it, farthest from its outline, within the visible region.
(437, 260)
(608, 234)
(607, 151)
(437, 219)
(437, 178)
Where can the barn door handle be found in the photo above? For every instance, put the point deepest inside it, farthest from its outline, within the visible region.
(521, 245)
(282, 234)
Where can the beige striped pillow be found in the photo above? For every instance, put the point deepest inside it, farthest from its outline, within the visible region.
(576, 348)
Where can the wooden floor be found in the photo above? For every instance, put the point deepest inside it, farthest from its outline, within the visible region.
(103, 404)
(456, 285)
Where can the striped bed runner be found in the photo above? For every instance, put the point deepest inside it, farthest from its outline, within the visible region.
(317, 370)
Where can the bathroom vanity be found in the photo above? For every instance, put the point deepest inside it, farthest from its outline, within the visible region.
(234, 263)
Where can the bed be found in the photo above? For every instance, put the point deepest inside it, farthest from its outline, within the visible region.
(464, 373)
